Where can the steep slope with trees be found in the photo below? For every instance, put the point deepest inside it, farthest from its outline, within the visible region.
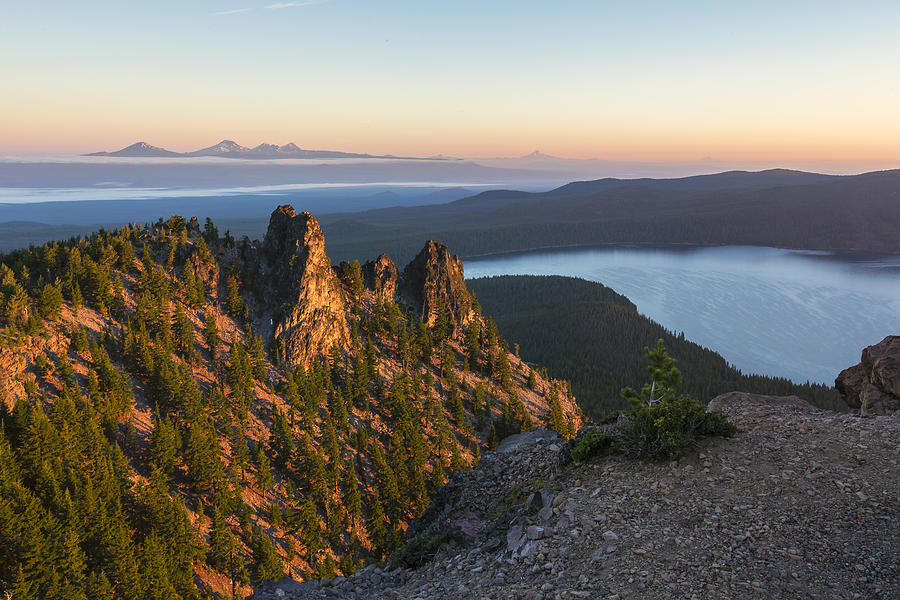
(184, 413)
(593, 336)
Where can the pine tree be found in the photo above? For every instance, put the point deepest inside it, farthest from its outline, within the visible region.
(50, 302)
(309, 529)
(211, 333)
(263, 469)
(281, 440)
(221, 542)
(356, 279)
(155, 567)
(377, 525)
(387, 483)
(268, 565)
(665, 378)
(473, 341)
(183, 332)
(163, 449)
(240, 453)
(352, 498)
(234, 304)
(556, 419)
(202, 459)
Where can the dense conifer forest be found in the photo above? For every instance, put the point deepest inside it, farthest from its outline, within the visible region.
(593, 336)
(153, 446)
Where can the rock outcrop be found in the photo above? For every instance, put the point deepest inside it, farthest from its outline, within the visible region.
(435, 281)
(311, 315)
(381, 276)
(873, 386)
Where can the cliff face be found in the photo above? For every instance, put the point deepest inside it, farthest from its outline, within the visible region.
(307, 294)
(435, 279)
(873, 386)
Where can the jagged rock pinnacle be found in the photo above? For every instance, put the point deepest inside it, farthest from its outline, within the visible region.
(313, 313)
(381, 277)
(435, 278)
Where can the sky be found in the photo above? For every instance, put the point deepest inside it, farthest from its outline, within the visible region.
(777, 82)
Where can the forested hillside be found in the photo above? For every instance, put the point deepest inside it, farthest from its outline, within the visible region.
(172, 427)
(779, 208)
(589, 334)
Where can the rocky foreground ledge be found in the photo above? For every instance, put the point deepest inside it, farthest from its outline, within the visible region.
(802, 503)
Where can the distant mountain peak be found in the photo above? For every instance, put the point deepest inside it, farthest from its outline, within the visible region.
(231, 149)
(538, 154)
(139, 149)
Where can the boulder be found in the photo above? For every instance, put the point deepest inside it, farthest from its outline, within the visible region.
(514, 442)
(873, 385)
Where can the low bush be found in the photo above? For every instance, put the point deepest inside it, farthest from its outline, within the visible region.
(596, 442)
(662, 424)
(670, 427)
(417, 551)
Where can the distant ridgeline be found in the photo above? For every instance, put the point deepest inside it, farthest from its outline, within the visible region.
(594, 337)
(788, 209)
(181, 407)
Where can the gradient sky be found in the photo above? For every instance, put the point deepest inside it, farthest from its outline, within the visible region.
(638, 80)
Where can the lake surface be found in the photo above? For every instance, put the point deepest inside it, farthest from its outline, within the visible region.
(804, 315)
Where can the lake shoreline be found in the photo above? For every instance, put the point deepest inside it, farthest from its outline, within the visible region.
(800, 314)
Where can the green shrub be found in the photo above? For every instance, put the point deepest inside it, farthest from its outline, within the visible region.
(611, 418)
(670, 427)
(662, 424)
(596, 442)
(418, 550)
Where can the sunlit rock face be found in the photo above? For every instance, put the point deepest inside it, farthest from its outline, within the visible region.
(312, 316)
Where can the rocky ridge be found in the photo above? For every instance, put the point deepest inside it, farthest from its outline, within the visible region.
(801, 503)
(357, 404)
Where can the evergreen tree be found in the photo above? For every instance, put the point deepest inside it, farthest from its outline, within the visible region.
(263, 469)
(352, 497)
(183, 332)
(221, 542)
(268, 565)
(240, 453)
(163, 448)
(473, 341)
(211, 333)
(309, 529)
(50, 302)
(155, 570)
(281, 440)
(356, 279)
(556, 420)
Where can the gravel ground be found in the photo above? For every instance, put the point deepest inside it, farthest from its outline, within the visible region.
(802, 503)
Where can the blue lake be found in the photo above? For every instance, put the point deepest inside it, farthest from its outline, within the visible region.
(804, 315)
